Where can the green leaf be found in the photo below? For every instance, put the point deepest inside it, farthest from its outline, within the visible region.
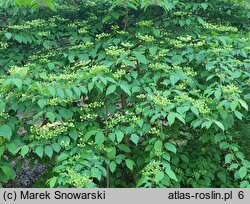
(158, 145)
(62, 157)
(243, 104)
(2, 148)
(8, 35)
(99, 138)
(60, 93)
(141, 58)
(5, 131)
(243, 172)
(233, 105)
(171, 118)
(42, 103)
(124, 148)
(56, 147)
(119, 136)
(228, 158)
(84, 89)
(224, 145)
(125, 87)
(171, 174)
(51, 65)
(2, 106)
(153, 50)
(48, 151)
(238, 115)
(18, 83)
(52, 182)
(159, 176)
(52, 90)
(73, 134)
(207, 124)
(110, 89)
(9, 172)
(130, 163)
(195, 110)
(204, 5)
(24, 150)
(96, 173)
(89, 134)
(39, 151)
(111, 153)
(51, 116)
(71, 58)
(177, 115)
(12, 148)
(174, 79)
(217, 93)
(134, 138)
(112, 166)
(170, 147)
(219, 124)
(233, 166)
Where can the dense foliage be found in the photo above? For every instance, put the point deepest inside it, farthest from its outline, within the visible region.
(125, 93)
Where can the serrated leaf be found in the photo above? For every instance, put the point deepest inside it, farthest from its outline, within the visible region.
(171, 118)
(99, 138)
(56, 147)
(96, 173)
(73, 134)
(124, 148)
(62, 157)
(2, 106)
(89, 134)
(130, 163)
(84, 89)
(8, 35)
(2, 148)
(51, 116)
(217, 93)
(111, 89)
(141, 58)
(171, 174)
(228, 158)
(134, 138)
(52, 182)
(24, 150)
(194, 110)
(42, 103)
(119, 136)
(170, 147)
(12, 148)
(158, 145)
(243, 104)
(51, 65)
(238, 115)
(18, 83)
(233, 105)
(233, 166)
(9, 172)
(174, 79)
(219, 124)
(39, 151)
(48, 151)
(126, 88)
(52, 90)
(159, 176)
(112, 166)
(242, 172)
(5, 131)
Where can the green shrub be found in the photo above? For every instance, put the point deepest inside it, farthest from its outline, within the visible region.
(114, 96)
